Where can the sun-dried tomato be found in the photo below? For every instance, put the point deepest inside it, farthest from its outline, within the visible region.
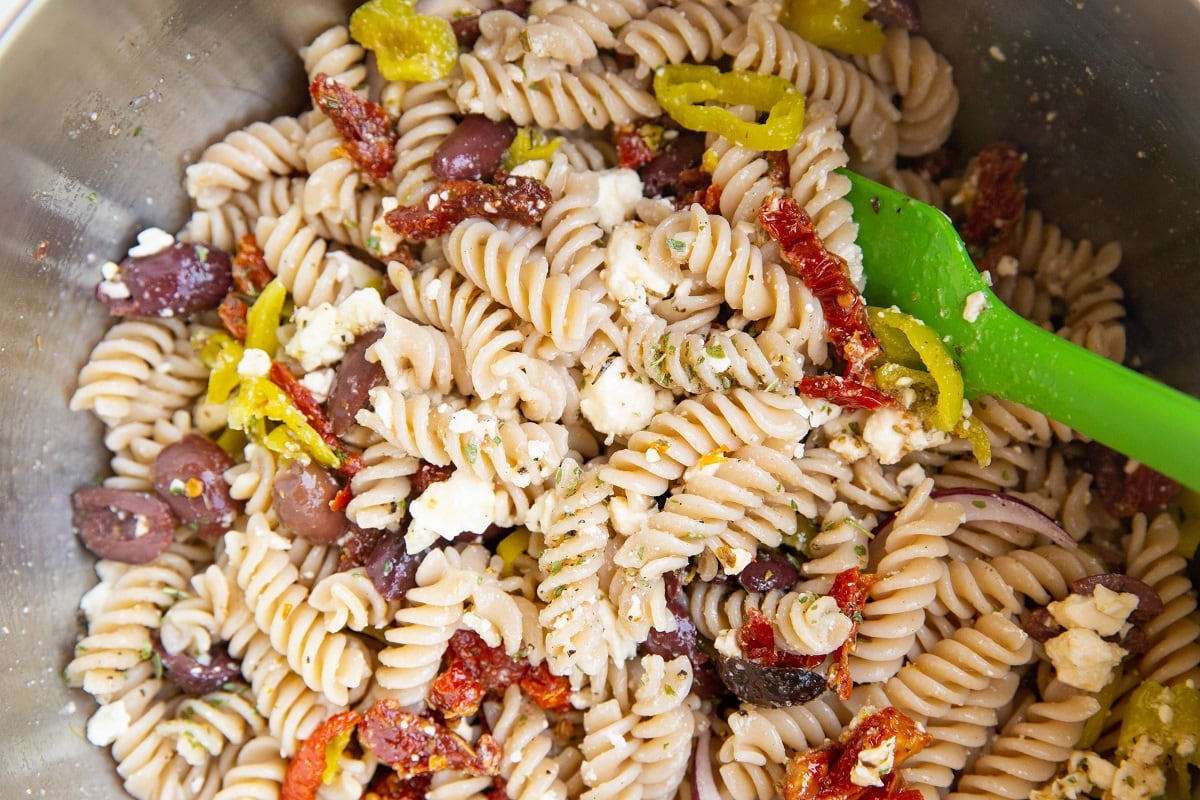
(473, 669)
(456, 692)
(369, 137)
(825, 773)
(428, 474)
(843, 392)
(551, 692)
(995, 202)
(633, 151)
(828, 278)
(232, 312)
(250, 271)
(305, 770)
(414, 745)
(514, 197)
(780, 171)
(850, 589)
(499, 790)
(1127, 492)
(390, 786)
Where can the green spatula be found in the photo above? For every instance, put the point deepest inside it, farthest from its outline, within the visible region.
(914, 259)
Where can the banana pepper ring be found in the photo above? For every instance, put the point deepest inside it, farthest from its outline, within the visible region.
(902, 337)
(684, 91)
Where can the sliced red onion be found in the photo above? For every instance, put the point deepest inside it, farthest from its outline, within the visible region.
(984, 505)
(704, 787)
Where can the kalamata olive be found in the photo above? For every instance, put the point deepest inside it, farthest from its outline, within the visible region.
(195, 677)
(661, 176)
(765, 574)
(190, 476)
(466, 31)
(1127, 492)
(301, 494)
(472, 150)
(428, 474)
(896, 14)
(1149, 606)
(177, 281)
(356, 377)
(1040, 626)
(684, 641)
(391, 568)
(357, 546)
(773, 687)
(122, 524)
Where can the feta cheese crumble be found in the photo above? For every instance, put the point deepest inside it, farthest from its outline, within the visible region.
(975, 303)
(463, 503)
(151, 241)
(1104, 611)
(324, 332)
(873, 763)
(631, 277)
(1082, 659)
(619, 191)
(617, 402)
(893, 433)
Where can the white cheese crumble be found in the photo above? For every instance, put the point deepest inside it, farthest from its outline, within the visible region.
(151, 241)
(974, 305)
(618, 192)
(631, 277)
(1104, 611)
(109, 722)
(727, 644)
(818, 627)
(1085, 771)
(383, 239)
(893, 433)
(319, 383)
(255, 363)
(617, 402)
(1082, 659)
(537, 168)
(463, 503)
(324, 332)
(112, 286)
(873, 763)
(1139, 777)
(463, 421)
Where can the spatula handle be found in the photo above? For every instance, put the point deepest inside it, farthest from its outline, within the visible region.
(1146, 420)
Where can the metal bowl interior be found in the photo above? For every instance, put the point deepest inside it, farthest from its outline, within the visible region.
(94, 138)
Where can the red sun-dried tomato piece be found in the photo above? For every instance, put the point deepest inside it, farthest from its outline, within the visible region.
(850, 589)
(456, 692)
(807, 773)
(828, 277)
(756, 638)
(551, 692)
(513, 197)
(428, 474)
(304, 771)
(250, 271)
(1127, 492)
(843, 392)
(368, 135)
(232, 312)
(413, 744)
(390, 786)
(633, 151)
(995, 202)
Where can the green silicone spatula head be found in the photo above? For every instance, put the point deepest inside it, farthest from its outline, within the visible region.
(914, 259)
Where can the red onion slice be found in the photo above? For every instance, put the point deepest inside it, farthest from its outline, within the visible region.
(704, 787)
(984, 505)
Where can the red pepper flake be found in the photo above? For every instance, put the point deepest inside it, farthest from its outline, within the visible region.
(250, 271)
(850, 589)
(232, 312)
(366, 127)
(473, 669)
(390, 786)
(1123, 491)
(633, 151)
(515, 197)
(843, 392)
(304, 771)
(825, 773)
(414, 745)
(42, 250)
(828, 278)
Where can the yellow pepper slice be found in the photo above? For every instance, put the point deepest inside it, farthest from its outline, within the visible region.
(408, 46)
(529, 144)
(262, 319)
(934, 357)
(836, 24)
(511, 548)
(259, 400)
(683, 90)
(224, 378)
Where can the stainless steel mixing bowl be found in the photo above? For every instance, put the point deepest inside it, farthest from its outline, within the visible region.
(102, 104)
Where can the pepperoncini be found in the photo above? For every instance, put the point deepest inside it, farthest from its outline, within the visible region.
(683, 91)
(836, 24)
(529, 144)
(333, 756)
(512, 547)
(1169, 717)
(1186, 508)
(408, 46)
(902, 337)
(262, 318)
